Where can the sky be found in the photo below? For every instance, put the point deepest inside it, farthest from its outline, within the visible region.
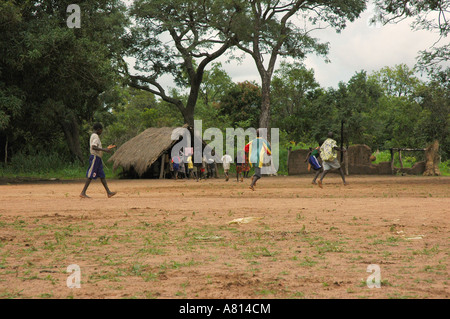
(360, 46)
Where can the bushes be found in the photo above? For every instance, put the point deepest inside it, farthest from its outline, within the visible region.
(44, 164)
(409, 161)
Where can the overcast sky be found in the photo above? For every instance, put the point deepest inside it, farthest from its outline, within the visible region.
(359, 46)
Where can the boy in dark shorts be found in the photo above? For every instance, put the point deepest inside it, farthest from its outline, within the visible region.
(313, 162)
(95, 161)
(176, 162)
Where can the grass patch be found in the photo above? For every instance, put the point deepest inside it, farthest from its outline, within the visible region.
(45, 165)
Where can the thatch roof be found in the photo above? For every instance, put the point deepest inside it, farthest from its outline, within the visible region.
(144, 149)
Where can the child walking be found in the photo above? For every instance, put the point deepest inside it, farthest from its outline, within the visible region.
(95, 161)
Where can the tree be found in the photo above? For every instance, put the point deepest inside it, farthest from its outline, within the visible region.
(241, 105)
(180, 39)
(57, 72)
(397, 81)
(293, 102)
(430, 15)
(397, 112)
(434, 121)
(11, 96)
(272, 32)
(216, 83)
(138, 111)
(215, 86)
(354, 101)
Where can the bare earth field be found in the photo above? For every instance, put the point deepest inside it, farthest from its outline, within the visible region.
(171, 239)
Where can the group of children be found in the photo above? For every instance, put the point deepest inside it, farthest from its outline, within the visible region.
(207, 169)
(182, 166)
(255, 151)
(242, 167)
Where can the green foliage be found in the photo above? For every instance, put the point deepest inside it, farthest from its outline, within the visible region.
(408, 158)
(241, 105)
(444, 168)
(398, 81)
(295, 101)
(215, 87)
(434, 99)
(138, 111)
(52, 76)
(200, 32)
(42, 165)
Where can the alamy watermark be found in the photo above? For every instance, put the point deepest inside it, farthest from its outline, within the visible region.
(74, 280)
(374, 280)
(234, 137)
(74, 20)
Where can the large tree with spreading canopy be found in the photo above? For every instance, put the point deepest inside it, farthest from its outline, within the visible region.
(180, 39)
(278, 28)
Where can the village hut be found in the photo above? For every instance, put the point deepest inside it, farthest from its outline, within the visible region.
(148, 151)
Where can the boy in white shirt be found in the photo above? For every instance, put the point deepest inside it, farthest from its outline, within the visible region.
(95, 161)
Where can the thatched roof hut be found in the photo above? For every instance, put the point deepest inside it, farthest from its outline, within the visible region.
(143, 150)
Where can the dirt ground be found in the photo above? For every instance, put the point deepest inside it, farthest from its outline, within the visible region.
(183, 239)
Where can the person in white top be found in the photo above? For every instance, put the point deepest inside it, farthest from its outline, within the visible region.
(226, 160)
(95, 161)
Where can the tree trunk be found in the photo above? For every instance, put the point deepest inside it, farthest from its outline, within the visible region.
(392, 161)
(163, 162)
(189, 110)
(346, 158)
(72, 134)
(342, 140)
(264, 117)
(6, 151)
(432, 160)
(188, 116)
(289, 155)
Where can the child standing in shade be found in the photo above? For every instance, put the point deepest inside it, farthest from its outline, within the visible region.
(176, 162)
(190, 166)
(95, 161)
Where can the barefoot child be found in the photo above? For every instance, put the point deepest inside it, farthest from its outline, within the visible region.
(256, 150)
(245, 166)
(176, 162)
(239, 167)
(313, 162)
(328, 153)
(190, 165)
(95, 161)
